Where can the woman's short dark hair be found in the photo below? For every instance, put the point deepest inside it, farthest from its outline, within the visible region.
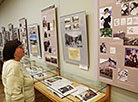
(9, 49)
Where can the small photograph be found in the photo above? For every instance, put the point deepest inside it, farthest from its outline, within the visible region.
(103, 48)
(133, 7)
(73, 39)
(116, 22)
(52, 80)
(122, 75)
(125, 9)
(135, 20)
(106, 67)
(123, 21)
(76, 26)
(131, 41)
(44, 22)
(131, 57)
(67, 20)
(129, 21)
(75, 19)
(132, 30)
(87, 95)
(46, 45)
(51, 59)
(112, 50)
(119, 35)
(65, 89)
(40, 75)
(68, 27)
(106, 22)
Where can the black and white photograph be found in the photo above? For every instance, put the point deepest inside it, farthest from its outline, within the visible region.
(68, 27)
(119, 35)
(67, 20)
(106, 22)
(131, 57)
(76, 26)
(106, 67)
(133, 8)
(122, 75)
(125, 9)
(73, 39)
(51, 59)
(131, 41)
(103, 48)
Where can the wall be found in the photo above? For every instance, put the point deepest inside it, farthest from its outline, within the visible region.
(12, 10)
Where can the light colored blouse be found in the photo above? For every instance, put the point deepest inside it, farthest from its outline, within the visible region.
(18, 84)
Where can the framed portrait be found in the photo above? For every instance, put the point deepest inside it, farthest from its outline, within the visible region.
(34, 40)
(23, 34)
(49, 35)
(15, 34)
(74, 38)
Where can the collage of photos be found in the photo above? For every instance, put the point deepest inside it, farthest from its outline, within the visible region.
(106, 22)
(106, 67)
(50, 35)
(131, 57)
(23, 34)
(74, 37)
(34, 40)
(16, 34)
(118, 42)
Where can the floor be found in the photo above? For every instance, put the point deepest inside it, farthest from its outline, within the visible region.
(38, 96)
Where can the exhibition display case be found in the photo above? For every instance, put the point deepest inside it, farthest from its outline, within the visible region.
(66, 87)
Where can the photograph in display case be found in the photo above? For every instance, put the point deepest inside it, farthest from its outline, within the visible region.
(74, 38)
(49, 34)
(23, 34)
(34, 42)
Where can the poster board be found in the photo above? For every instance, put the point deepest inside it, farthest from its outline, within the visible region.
(74, 38)
(16, 34)
(24, 34)
(33, 38)
(117, 43)
(49, 40)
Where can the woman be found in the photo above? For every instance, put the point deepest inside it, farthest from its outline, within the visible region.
(18, 85)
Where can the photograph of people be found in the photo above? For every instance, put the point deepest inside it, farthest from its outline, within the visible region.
(103, 48)
(125, 9)
(106, 18)
(131, 57)
(18, 85)
(106, 22)
(133, 6)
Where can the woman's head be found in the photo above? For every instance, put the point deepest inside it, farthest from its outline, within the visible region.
(13, 49)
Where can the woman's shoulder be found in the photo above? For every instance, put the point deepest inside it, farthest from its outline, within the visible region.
(12, 67)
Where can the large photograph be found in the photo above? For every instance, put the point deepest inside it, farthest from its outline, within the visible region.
(106, 22)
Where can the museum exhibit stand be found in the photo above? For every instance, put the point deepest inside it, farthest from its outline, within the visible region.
(64, 86)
